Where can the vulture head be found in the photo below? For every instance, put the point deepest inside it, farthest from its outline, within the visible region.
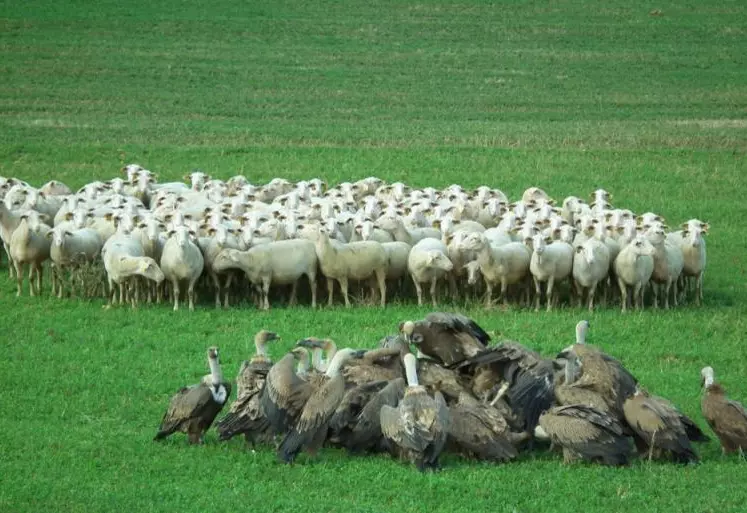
(407, 328)
(706, 377)
(581, 328)
(264, 336)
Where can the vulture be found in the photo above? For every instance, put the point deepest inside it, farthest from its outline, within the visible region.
(193, 408)
(245, 415)
(448, 338)
(566, 391)
(659, 425)
(726, 417)
(417, 428)
(479, 431)
(600, 373)
(357, 422)
(286, 390)
(585, 432)
(318, 346)
(530, 379)
(310, 429)
(382, 364)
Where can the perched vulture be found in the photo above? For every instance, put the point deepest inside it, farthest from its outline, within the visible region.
(346, 414)
(658, 425)
(585, 432)
(318, 346)
(363, 432)
(245, 415)
(726, 417)
(376, 365)
(193, 409)
(530, 378)
(286, 390)
(479, 431)
(310, 430)
(418, 427)
(600, 372)
(567, 392)
(446, 337)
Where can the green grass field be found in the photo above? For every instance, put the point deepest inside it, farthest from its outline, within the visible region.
(564, 95)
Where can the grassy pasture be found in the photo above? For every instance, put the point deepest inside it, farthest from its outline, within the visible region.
(567, 96)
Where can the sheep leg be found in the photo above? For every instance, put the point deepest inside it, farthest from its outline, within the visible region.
(434, 282)
(266, 293)
(330, 290)
(312, 285)
(19, 277)
(699, 289)
(191, 294)
(11, 266)
(227, 288)
(504, 291)
(667, 287)
(674, 292)
(549, 292)
(294, 292)
(453, 286)
(638, 295)
(175, 292)
(623, 294)
(344, 289)
(381, 278)
(418, 289)
(538, 293)
(592, 290)
(488, 295)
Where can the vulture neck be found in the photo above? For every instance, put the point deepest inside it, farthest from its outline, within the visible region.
(331, 351)
(571, 369)
(411, 370)
(708, 383)
(581, 333)
(261, 346)
(336, 364)
(316, 360)
(303, 364)
(216, 376)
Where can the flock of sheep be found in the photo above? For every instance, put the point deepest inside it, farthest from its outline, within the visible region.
(372, 238)
(458, 394)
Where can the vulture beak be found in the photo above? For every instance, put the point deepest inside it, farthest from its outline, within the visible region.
(272, 336)
(307, 342)
(359, 354)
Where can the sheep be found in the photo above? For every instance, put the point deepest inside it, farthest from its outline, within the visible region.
(428, 262)
(124, 260)
(69, 249)
(497, 236)
(633, 268)
(397, 254)
(55, 188)
(551, 262)
(220, 238)
(535, 194)
(591, 265)
(341, 262)
(693, 246)
(505, 265)
(278, 262)
(181, 261)
(367, 230)
(29, 246)
(668, 264)
(412, 236)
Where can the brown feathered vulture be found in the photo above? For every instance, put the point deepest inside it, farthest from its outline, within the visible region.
(727, 418)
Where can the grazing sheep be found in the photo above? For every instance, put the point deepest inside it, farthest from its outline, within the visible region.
(181, 261)
(278, 262)
(505, 265)
(124, 260)
(342, 262)
(551, 262)
(69, 249)
(29, 246)
(428, 262)
(633, 268)
(591, 265)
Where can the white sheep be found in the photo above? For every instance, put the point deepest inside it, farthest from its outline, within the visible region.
(591, 265)
(551, 263)
(274, 263)
(355, 260)
(633, 268)
(219, 238)
(397, 254)
(29, 245)
(693, 245)
(181, 261)
(69, 249)
(400, 232)
(499, 265)
(427, 263)
(125, 260)
(668, 264)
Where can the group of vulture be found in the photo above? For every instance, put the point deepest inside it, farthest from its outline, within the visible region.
(458, 393)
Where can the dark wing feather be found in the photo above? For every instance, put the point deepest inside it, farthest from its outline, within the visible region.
(185, 405)
(352, 404)
(368, 430)
(459, 322)
(283, 395)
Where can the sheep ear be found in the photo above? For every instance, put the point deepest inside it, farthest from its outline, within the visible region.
(67, 233)
(49, 234)
(186, 178)
(579, 249)
(68, 216)
(704, 227)
(211, 231)
(136, 218)
(665, 226)
(548, 240)
(108, 216)
(171, 233)
(123, 258)
(193, 233)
